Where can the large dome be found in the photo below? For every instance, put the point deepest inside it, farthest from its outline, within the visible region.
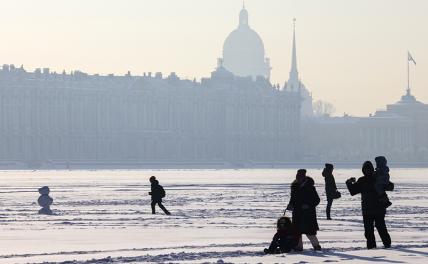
(243, 51)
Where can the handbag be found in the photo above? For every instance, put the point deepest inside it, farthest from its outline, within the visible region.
(337, 195)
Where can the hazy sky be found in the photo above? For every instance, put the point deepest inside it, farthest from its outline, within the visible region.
(350, 53)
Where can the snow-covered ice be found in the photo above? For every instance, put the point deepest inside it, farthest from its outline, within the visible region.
(219, 216)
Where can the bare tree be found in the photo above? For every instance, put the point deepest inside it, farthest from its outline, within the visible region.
(323, 108)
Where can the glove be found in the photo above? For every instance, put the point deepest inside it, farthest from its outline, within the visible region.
(351, 180)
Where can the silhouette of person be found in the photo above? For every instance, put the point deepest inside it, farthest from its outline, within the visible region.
(330, 187)
(285, 238)
(157, 193)
(303, 201)
(382, 180)
(373, 210)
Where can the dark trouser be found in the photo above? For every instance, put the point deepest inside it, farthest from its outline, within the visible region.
(328, 209)
(379, 221)
(160, 205)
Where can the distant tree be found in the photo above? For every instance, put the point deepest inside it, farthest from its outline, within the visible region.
(323, 108)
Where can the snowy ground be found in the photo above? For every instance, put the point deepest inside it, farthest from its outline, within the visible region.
(218, 216)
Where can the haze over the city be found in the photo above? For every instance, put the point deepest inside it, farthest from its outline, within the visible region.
(352, 54)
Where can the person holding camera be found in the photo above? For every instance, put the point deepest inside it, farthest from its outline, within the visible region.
(373, 210)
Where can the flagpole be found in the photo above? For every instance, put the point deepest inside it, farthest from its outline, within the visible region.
(408, 73)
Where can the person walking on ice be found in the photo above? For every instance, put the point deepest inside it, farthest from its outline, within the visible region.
(157, 193)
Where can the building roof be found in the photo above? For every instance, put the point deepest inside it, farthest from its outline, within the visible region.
(244, 52)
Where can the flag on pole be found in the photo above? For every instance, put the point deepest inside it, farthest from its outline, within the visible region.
(410, 58)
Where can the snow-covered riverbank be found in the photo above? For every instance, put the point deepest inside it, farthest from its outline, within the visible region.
(218, 215)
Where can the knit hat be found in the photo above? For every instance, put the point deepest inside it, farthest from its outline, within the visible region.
(380, 161)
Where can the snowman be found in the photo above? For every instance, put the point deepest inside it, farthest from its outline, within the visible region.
(45, 201)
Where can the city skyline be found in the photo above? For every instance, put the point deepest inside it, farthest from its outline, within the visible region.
(137, 35)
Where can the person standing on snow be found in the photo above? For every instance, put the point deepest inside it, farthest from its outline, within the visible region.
(330, 188)
(303, 201)
(373, 210)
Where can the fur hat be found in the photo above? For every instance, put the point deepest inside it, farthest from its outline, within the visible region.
(301, 172)
(282, 222)
(329, 166)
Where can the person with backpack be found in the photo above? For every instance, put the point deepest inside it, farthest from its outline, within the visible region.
(157, 193)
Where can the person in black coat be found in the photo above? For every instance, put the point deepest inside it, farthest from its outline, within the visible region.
(373, 210)
(285, 238)
(303, 201)
(157, 193)
(330, 187)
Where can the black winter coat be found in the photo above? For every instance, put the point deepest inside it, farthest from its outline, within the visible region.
(330, 185)
(156, 192)
(369, 198)
(285, 240)
(304, 219)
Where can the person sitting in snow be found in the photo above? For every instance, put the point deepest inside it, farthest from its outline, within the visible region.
(157, 193)
(285, 238)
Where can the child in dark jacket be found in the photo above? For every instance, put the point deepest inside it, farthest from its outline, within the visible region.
(285, 239)
(382, 180)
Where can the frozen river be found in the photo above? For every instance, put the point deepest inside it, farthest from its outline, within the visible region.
(217, 215)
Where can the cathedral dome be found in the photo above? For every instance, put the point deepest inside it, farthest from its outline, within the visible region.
(243, 42)
(243, 51)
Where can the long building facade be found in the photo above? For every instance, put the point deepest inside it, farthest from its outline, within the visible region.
(398, 132)
(234, 118)
(48, 119)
